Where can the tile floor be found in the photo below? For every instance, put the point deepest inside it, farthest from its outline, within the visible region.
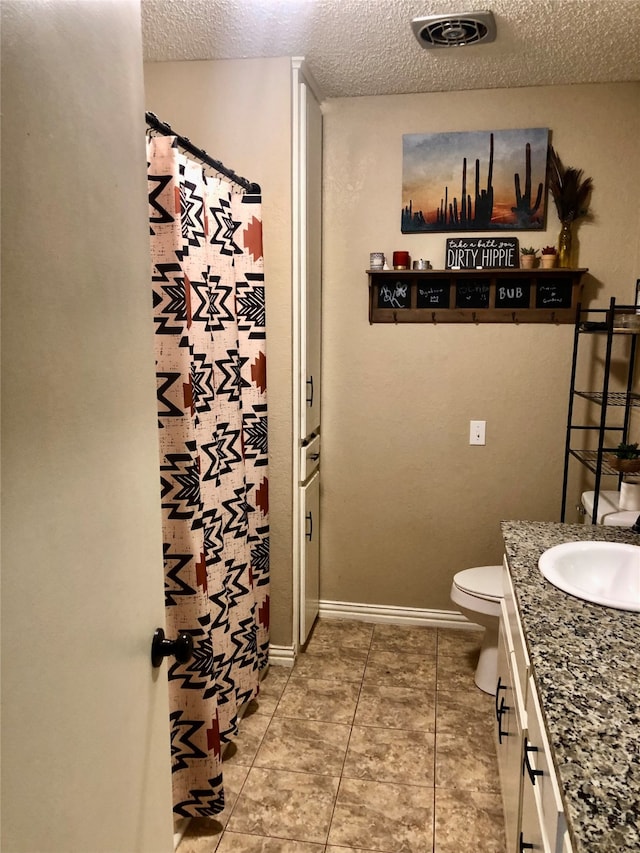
(377, 740)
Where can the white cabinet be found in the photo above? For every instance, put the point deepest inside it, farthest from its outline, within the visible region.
(310, 558)
(311, 263)
(540, 777)
(533, 809)
(307, 252)
(509, 740)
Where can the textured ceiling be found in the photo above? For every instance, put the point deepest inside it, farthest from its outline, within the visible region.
(366, 47)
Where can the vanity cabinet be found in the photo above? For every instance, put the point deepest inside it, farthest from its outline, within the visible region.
(509, 740)
(533, 809)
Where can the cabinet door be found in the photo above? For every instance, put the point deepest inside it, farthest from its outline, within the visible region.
(310, 556)
(531, 829)
(509, 740)
(540, 764)
(310, 260)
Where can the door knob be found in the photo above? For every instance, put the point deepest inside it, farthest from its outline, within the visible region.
(181, 648)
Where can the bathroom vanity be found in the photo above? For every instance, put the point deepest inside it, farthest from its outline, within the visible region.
(567, 705)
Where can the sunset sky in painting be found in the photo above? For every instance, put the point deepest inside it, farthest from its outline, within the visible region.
(433, 162)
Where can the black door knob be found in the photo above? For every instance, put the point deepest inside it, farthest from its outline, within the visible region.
(181, 648)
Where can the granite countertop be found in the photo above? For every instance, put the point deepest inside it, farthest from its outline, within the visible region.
(586, 664)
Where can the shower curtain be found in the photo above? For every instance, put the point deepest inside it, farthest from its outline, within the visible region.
(209, 315)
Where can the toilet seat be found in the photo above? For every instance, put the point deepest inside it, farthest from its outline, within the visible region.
(483, 582)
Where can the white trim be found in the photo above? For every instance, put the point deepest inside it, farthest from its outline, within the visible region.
(282, 655)
(299, 64)
(394, 615)
(296, 286)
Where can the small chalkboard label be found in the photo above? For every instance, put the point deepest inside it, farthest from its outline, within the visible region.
(433, 295)
(394, 295)
(470, 253)
(553, 294)
(472, 295)
(512, 293)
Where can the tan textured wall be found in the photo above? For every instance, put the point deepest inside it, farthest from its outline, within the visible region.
(240, 112)
(406, 502)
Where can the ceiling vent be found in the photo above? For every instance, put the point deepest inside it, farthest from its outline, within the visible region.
(455, 30)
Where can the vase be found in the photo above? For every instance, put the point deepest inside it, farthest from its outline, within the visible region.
(527, 262)
(564, 245)
(548, 262)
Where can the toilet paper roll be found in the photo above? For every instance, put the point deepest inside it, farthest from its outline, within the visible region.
(630, 496)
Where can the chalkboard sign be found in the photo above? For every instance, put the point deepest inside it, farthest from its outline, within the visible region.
(553, 294)
(472, 295)
(512, 293)
(469, 253)
(433, 295)
(395, 295)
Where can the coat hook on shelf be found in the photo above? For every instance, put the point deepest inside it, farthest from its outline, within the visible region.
(433, 317)
(395, 317)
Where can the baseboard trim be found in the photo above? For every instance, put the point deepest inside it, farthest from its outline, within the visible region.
(282, 655)
(286, 655)
(394, 615)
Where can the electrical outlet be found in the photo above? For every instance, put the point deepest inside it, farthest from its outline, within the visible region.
(477, 432)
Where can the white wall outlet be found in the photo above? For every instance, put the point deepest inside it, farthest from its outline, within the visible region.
(477, 431)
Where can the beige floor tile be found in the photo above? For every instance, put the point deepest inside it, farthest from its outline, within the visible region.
(458, 712)
(233, 778)
(383, 817)
(391, 755)
(405, 639)
(390, 668)
(342, 664)
(451, 640)
(235, 842)
(307, 746)
(271, 688)
(468, 820)
(243, 749)
(331, 849)
(396, 707)
(295, 806)
(456, 672)
(202, 836)
(340, 634)
(319, 699)
(467, 762)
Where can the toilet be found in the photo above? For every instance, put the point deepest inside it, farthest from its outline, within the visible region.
(614, 509)
(478, 593)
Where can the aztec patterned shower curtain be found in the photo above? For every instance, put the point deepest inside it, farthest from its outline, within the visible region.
(209, 314)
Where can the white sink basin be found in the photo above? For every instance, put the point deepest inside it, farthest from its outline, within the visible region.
(603, 572)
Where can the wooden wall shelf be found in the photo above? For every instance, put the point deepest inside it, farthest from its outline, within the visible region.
(474, 296)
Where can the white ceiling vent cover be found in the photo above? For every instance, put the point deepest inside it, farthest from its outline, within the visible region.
(455, 30)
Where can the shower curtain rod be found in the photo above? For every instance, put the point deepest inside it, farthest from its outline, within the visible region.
(166, 130)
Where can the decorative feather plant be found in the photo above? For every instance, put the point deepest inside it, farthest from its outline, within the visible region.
(570, 192)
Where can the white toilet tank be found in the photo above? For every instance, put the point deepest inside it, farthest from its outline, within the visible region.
(608, 512)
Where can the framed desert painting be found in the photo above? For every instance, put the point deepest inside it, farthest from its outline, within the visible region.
(474, 180)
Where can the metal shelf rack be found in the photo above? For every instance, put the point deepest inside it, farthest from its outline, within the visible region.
(602, 322)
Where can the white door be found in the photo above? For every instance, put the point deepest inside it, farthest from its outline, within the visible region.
(310, 256)
(86, 751)
(310, 569)
(313, 289)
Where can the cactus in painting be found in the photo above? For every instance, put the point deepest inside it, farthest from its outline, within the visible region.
(484, 198)
(524, 210)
